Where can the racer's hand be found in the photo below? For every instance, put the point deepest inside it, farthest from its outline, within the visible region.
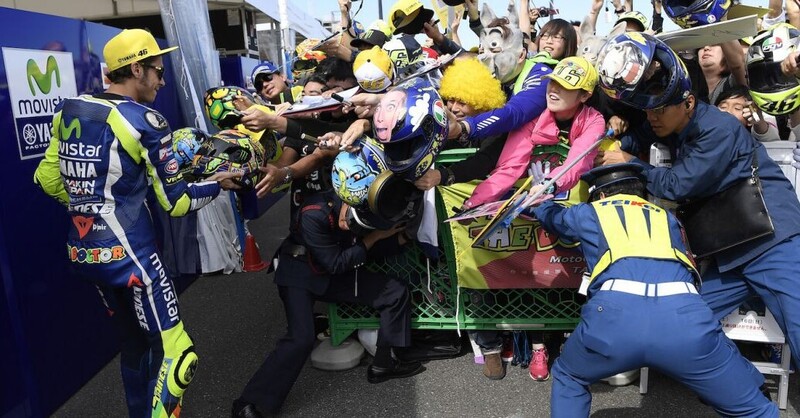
(611, 157)
(273, 177)
(226, 180)
(429, 180)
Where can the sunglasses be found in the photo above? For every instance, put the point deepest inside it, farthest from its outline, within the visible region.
(258, 83)
(159, 70)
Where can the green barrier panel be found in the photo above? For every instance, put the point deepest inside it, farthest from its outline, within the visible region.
(438, 304)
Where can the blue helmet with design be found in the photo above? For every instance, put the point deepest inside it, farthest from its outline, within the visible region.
(411, 122)
(690, 13)
(354, 172)
(641, 71)
(185, 144)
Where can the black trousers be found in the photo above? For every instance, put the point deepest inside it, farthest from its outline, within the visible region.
(270, 385)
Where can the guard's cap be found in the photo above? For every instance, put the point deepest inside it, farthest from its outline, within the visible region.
(131, 45)
(613, 173)
(575, 73)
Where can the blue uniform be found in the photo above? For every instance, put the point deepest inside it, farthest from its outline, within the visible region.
(712, 153)
(106, 151)
(319, 261)
(644, 310)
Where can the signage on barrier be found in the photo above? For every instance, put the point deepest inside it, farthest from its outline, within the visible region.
(38, 81)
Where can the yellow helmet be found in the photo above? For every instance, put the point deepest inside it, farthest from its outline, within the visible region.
(771, 90)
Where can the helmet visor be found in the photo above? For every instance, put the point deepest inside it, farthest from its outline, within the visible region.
(767, 77)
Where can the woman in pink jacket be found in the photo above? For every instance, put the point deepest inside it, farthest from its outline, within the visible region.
(566, 123)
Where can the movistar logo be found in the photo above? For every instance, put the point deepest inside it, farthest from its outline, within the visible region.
(43, 80)
(66, 131)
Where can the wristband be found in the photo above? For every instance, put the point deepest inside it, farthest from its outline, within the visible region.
(448, 178)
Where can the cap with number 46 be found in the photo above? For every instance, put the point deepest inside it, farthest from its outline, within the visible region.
(574, 73)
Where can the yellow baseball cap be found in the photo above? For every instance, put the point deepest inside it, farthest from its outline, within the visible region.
(373, 69)
(408, 16)
(575, 73)
(131, 45)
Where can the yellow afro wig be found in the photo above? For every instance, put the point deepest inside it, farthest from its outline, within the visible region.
(470, 82)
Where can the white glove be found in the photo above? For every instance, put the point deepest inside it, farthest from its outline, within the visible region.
(537, 172)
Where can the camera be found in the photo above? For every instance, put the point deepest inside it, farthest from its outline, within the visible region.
(544, 12)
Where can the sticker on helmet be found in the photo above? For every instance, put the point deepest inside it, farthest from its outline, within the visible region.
(419, 110)
(438, 112)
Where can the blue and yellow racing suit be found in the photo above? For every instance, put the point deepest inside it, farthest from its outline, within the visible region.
(106, 150)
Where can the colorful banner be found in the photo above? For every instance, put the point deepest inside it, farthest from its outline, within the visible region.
(520, 257)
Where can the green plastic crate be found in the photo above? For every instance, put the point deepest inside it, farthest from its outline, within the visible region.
(440, 305)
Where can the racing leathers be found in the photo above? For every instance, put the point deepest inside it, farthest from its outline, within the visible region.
(105, 151)
(527, 101)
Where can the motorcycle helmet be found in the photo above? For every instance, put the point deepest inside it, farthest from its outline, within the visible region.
(354, 172)
(411, 122)
(394, 199)
(771, 90)
(641, 71)
(220, 108)
(230, 151)
(690, 13)
(185, 144)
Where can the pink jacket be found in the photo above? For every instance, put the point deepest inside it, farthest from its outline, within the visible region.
(515, 159)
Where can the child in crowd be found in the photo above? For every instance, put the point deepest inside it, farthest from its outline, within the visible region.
(736, 101)
(566, 121)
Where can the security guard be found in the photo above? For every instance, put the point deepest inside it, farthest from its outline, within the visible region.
(643, 308)
(319, 260)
